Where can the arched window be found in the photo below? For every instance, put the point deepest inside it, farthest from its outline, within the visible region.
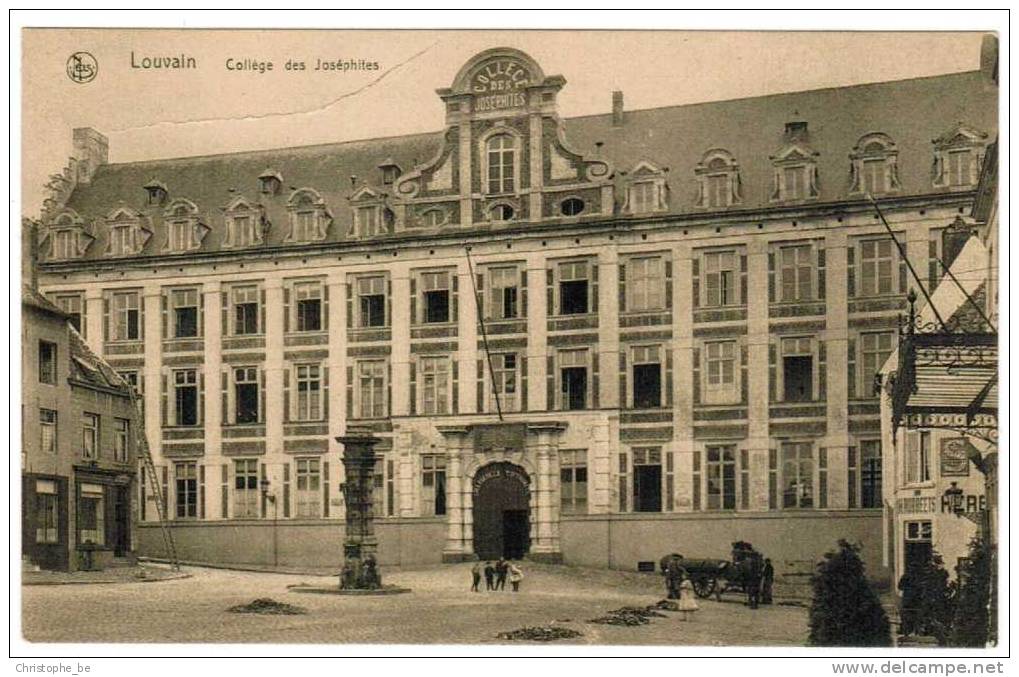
(502, 213)
(501, 155)
(433, 217)
(572, 206)
(874, 168)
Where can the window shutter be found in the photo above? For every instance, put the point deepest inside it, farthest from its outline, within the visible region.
(594, 288)
(286, 396)
(286, 309)
(389, 303)
(822, 477)
(84, 317)
(201, 312)
(523, 383)
(851, 367)
(286, 490)
(772, 479)
(479, 296)
(481, 387)
(413, 301)
(668, 375)
(224, 389)
(456, 295)
(325, 393)
(261, 396)
(851, 270)
(224, 491)
(350, 392)
(325, 306)
(455, 367)
(106, 317)
(903, 271)
(261, 476)
(771, 277)
(695, 265)
(696, 375)
(744, 376)
(325, 488)
(413, 390)
(695, 477)
(164, 304)
(165, 395)
(622, 287)
(261, 311)
(744, 297)
(350, 305)
(595, 390)
(201, 398)
(523, 294)
(141, 317)
(820, 273)
(389, 389)
(550, 292)
(772, 372)
(550, 382)
(822, 371)
(622, 378)
(668, 284)
(201, 491)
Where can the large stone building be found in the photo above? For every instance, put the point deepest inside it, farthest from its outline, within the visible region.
(596, 339)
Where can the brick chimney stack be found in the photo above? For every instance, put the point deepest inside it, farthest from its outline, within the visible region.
(91, 149)
(617, 108)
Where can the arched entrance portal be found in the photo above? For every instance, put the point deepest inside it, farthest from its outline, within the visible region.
(501, 493)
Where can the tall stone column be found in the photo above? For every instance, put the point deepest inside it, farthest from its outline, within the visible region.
(545, 436)
(360, 546)
(459, 543)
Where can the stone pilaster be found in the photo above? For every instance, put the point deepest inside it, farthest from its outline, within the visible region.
(467, 340)
(459, 544)
(758, 338)
(336, 366)
(400, 345)
(608, 329)
(94, 319)
(682, 375)
(537, 333)
(836, 338)
(152, 300)
(536, 168)
(273, 415)
(544, 441)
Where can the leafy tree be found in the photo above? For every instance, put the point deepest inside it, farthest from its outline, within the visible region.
(845, 610)
(928, 600)
(970, 628)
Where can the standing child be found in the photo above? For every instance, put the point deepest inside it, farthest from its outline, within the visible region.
(687, 601)
(515, 576)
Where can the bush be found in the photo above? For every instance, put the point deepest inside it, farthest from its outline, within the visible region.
(845, 611)
(970, 628)
(928, 600)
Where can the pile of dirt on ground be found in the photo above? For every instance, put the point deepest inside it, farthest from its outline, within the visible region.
(665, 605)
(629, 615)
(264, 605)
(543, 633)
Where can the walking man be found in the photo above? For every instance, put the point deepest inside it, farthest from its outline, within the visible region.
(489, 576)
(767, 581)
(475, 577)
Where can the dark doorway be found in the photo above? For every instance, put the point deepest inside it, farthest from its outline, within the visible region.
(501, 512)
(647, 488)
(122, 522)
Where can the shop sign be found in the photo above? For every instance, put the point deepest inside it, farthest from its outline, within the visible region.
(955, 453)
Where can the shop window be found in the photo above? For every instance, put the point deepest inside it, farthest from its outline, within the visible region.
(91, 514)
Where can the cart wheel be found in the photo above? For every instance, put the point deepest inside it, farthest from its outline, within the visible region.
(703, 586)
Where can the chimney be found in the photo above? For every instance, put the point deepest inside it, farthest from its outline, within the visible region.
(796, 130)
(989, 57)
(91, 149)
(617, 108)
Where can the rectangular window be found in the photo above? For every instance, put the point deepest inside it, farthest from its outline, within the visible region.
(797, 475)
(794, 182)
(246, 395)
(186, 485)
(645, 284)
(180, 235)
(434, 385)
(371, 299)
(647, 479)
(643, 197)
(435, 297)
(246, 490)
(305, 229)
(720, 372)
(870, 474)
(796, 273)
(573, 379)
(919, 543)
(371, 376)
(718, 190)
(918, 456)
(185, 397)
(379, 487)
(503, 293)
(720, 279)
(309, 392)
(874, 350)
(47, 362)
(90, 436)
(797, 370)
(46, 515)
(122, 240)
(721, 477)
(91, 514)
(573, 481)
(433, 484)
(505, 367)
(126, 316)
(959, 168)
(65, 244)
(308, 296)
(647, 377)
(245, 301)
(309, 487)
(876, 259)
(48, 431)
(368, 221)
(244, 231)
(874, 176)
(185, 312)
(121, 435)
(73, 305)
(573, 284)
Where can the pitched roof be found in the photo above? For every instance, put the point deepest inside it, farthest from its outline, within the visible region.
(911, 112)
(31, 298)
(89, 368)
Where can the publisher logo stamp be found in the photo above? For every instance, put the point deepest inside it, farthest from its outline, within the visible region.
(82, 67)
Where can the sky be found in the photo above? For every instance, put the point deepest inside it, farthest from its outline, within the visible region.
(152, 113)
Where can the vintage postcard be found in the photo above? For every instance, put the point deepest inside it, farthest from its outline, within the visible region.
(509, 338)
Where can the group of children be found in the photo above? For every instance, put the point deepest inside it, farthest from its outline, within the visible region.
(495, 576)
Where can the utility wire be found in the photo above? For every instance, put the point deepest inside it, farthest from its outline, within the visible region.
(484, 334)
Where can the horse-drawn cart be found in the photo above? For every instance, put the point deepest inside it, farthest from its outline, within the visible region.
(717, 576)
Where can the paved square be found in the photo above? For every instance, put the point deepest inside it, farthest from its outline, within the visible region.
(441, 609)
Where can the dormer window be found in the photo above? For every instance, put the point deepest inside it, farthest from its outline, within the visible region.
(245, 224)
(719, 182)
(185, 230)
(874, 166)
(270, 182)
(795, 175)
(65, 244)
(390, 172)
(127, 235)
(157, 193)
(958, 154)
(371, 217)
(367, 221)
(646, 190)
(122, 241)
(643, 197)
(66, 237)
(500, 154)
(309, 218)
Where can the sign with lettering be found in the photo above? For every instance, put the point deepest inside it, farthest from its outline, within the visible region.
(500, 83)
(964, 503)
(955, 457)
(500, 470)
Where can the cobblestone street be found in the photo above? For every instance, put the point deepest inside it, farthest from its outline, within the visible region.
(441, 609)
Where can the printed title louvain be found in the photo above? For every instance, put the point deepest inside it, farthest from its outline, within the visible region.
(169, 62)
